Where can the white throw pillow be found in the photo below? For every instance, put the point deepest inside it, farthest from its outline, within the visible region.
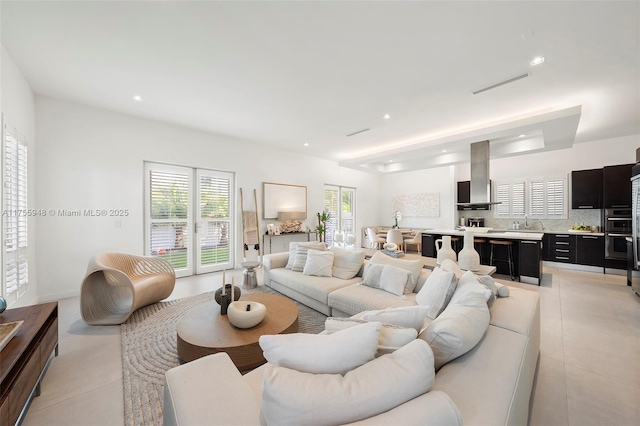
(469, 284)
(293, 248)
(413, 266)
(459, 327)
(291, 397)
(391, 338)
(450, 265)
(404, 316)
(300, 258)
(334, 353)
(437, 291)
(319, 263)
(387, 277)
(346, 263)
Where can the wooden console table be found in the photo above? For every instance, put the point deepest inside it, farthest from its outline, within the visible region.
(291, 236)
(25, 359)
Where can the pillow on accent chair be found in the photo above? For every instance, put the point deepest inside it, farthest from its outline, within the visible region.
(346, 263)
(437, 291)
(334, 353)
(291, 397)
(413, 266)
(319, 263)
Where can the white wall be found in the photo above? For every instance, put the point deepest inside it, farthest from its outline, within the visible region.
(18, 109)
(93, 159)
(437, 180)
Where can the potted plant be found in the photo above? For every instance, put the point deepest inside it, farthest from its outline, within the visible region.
(321, 229)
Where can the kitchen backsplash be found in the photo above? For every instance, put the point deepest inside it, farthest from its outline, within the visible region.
(576, 217)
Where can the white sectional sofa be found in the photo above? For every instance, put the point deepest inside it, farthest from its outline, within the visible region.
(491, 384)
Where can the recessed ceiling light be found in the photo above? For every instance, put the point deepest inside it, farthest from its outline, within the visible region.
(386, 116)
(390, 161)
(537, 61)
(306, 144)
(444, 150)
(522, 136)
(137, 98)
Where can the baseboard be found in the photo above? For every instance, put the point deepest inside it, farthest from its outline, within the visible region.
(57, 296)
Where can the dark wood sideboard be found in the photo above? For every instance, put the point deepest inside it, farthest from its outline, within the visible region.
(25, 359)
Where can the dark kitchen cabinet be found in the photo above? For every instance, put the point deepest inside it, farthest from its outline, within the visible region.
(616, 181)
(586, 189)
(561, 248)
(464, 194)
(590, 250)
(429, 245)
(530, 258)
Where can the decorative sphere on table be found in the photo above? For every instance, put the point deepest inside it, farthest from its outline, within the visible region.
(236, 292)
(3, 304)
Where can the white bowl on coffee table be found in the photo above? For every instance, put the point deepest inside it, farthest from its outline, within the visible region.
(240, 317)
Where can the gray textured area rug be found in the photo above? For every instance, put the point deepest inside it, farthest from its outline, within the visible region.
(149, 350)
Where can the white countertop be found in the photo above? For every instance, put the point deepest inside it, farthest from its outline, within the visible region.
(486, 233)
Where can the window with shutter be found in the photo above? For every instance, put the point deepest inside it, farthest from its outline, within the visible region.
(543, 198)
(189, 217)
(340, 202)
(511, 195)
(15, 215)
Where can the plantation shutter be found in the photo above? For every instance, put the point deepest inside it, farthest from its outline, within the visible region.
(15, 223)
(556, 198)
(169, 225)
(331, 205)
(348, 213)
(517, 199)
(536, 198)
(503, 196)
(214, 220)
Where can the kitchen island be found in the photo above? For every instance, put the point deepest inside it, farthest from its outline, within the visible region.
(526, 250)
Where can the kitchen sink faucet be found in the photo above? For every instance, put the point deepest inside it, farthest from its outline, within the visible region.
(526, 223)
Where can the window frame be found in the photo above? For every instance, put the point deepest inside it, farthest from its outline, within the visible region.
(552, 202)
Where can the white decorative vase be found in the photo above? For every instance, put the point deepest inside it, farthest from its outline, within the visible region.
(468, 258)
(444, 249)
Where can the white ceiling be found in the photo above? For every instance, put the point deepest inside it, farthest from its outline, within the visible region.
(289, 73)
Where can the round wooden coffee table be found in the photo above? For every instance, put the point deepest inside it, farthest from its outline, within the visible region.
(203, 331)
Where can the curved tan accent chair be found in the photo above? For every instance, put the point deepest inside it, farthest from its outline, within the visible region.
(116, 284)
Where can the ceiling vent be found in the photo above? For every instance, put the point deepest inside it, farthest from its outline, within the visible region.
(502, 83)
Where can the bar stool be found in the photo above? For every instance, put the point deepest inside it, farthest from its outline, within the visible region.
(455, 244)
(509, 245)
(479, 244)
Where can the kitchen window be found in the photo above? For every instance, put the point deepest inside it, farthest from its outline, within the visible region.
(539, 198)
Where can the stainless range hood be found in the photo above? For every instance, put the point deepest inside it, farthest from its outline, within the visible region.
(480, 182)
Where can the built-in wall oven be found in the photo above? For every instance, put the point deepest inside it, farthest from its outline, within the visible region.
(618, 226)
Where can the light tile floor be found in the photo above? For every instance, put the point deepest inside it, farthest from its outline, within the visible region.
(589, 371)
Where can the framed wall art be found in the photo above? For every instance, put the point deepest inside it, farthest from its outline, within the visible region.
(280, 197)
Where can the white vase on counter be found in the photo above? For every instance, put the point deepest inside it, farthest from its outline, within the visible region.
(444, 249)
(468, 258)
